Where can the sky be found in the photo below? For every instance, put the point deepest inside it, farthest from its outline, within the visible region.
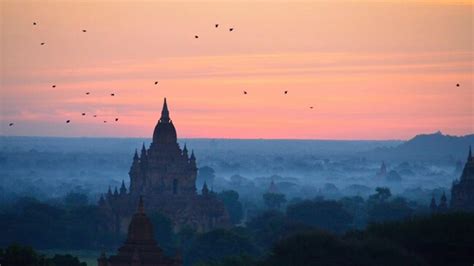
(370, 69)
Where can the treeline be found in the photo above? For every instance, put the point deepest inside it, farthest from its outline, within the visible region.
(17, 255)
(379, 230)
(441, 239)
(72, 224)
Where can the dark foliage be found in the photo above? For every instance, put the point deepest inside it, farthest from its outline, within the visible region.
(327, 215)
(218, 244)
(16, 255)
(232, 204)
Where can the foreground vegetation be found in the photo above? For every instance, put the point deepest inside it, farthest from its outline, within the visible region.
(382, 230)
(442, 239)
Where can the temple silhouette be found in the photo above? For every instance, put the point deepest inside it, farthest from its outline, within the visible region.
(462, 190)
(165, 175)
(140, 248)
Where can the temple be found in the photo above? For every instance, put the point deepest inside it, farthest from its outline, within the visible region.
(140, 248)
(462, 191)
(165, 175)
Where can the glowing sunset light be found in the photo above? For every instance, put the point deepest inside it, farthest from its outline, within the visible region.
(390, 73)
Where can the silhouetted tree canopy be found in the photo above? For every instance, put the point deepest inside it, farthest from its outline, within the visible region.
(274, 200)
(232, 204)
(327, 215)
(163, 230)
(217, 244)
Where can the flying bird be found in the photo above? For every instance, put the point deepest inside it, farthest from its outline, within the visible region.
(105, 121)
(67, 121)
(84, 30)
(311, 107)
(87, 93)
(457, 85)
(116, 119)
(42, 43)
(34, 23)
(95, 115)
(195, 36)
(245, 92)
(286, 92)
(54, 86)
(231, 29)
(10, 125)
(156, 82)
(112, 94)
(217, 25)
(83, 114)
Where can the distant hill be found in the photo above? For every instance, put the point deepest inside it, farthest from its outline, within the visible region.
(436, 146)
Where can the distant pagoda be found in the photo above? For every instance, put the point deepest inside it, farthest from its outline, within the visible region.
(140, 248)
(165, 175)
(462, 191)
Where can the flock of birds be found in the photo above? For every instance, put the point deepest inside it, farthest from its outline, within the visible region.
(156, 82)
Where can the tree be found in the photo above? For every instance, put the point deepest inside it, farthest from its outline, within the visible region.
(232, 261)
(163, 231)
(65, 260)
(326, 214)
(274, 200)
(217, 244)
(397, 209)
(267, 227)
(17, 255)
(320, 248)
(232, 204)
(74, 199)
(383, 193)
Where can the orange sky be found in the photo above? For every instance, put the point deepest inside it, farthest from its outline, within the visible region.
(371, 69)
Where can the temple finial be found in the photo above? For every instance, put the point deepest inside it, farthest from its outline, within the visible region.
(165, 114)
(469, 157)
(141, 208)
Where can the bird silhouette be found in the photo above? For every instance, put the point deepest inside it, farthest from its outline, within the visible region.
(245, 92)
(231, 29)
(105, 121)
(112, 94)
(457, 85)
(10, 125)
(195, 36)
(54, 86)
(42, 43)
(311, 107)
(83, 114)
(156, 82)
(84, 30)
(95, 115)
(286, 92)
(87, 93)
(68, 121)
(217, 25)
(34, 23)
(116, 119)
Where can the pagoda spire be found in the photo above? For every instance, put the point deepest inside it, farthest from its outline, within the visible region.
(109, 193)
(165, 114)
(143, 151)
(185, 151)
(141, 208)
(123, 189)
(135, 156)
(205, 190)
(469, 156)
